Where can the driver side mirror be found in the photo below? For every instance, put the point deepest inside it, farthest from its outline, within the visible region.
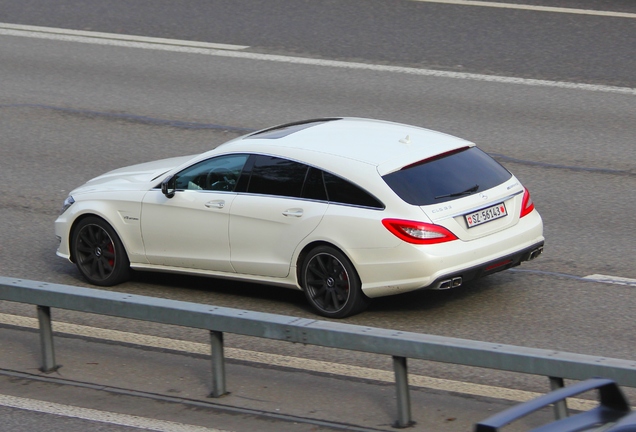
(168, 186)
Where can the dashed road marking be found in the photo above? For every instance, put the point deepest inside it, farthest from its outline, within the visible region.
(611, 280)
(533, 8)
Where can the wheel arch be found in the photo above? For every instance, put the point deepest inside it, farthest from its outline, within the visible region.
(80, 218)
(308, 248)
(335, 288)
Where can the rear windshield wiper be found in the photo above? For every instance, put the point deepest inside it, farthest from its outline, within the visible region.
(468, 191)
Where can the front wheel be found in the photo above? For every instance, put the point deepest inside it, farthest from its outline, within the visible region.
(99, 253)
(331, 284)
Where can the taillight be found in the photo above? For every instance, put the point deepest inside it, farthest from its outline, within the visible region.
(526, 205)
(418, 232)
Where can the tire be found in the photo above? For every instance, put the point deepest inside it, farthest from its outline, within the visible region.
(331, 283)
(99, 253)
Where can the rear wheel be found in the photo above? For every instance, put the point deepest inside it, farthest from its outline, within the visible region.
(331, 283)
(99, 253)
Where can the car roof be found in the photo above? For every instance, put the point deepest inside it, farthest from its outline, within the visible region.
(387, 145)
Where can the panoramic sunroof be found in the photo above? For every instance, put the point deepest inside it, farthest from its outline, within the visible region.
(289, 128)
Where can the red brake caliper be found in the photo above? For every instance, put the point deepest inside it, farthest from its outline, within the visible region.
(111, 249)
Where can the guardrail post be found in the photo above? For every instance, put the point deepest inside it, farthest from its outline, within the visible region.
(561, 407)
(46, 340)
(218, 364)
(402, 388)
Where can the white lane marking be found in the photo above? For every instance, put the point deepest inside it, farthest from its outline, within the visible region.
(99, 416)
(187, 47)
(52, 32)
(292, 362)
(611, 279)
(532, 8)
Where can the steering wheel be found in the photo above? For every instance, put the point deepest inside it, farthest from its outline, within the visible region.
(220, 179)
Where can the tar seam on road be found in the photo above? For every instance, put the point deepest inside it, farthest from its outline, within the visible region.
(510, 159)
(132, 118)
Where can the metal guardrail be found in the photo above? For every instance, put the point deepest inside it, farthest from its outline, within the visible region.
(400, 345)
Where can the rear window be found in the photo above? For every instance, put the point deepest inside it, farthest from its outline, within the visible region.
(447, 178)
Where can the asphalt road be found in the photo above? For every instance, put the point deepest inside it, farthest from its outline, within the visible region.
(72, 110)
(499, 41)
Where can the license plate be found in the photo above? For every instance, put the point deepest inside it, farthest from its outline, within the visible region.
(486, 215)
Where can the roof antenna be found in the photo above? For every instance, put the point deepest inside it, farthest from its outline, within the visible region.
(406, 140)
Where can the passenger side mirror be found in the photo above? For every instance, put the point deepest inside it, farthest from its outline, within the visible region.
(168, 186)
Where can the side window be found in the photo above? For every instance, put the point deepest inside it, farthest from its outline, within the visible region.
(276, 176)
(342, 191)
(314, 187)
(218, 174)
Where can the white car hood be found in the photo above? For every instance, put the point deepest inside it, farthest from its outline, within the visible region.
(134, 177)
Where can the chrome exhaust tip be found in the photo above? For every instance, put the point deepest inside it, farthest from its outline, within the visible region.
(535, 253)
(449, 283)
(444, 285)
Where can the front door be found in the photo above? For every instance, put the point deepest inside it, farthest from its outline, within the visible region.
(190, 229)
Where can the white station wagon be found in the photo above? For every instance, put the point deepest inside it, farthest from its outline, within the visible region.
(344, 209)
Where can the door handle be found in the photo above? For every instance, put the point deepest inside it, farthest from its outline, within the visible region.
(215, 204)
(293, 212)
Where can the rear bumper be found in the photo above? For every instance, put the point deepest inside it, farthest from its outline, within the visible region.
(455, 279)
(413, 267)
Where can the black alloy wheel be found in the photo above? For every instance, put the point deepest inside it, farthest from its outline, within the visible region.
(331, 283)
(98, 253)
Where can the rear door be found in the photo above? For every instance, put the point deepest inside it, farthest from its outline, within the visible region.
(283, 203)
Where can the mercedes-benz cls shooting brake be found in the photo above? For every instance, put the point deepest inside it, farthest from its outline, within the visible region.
(344, 209)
